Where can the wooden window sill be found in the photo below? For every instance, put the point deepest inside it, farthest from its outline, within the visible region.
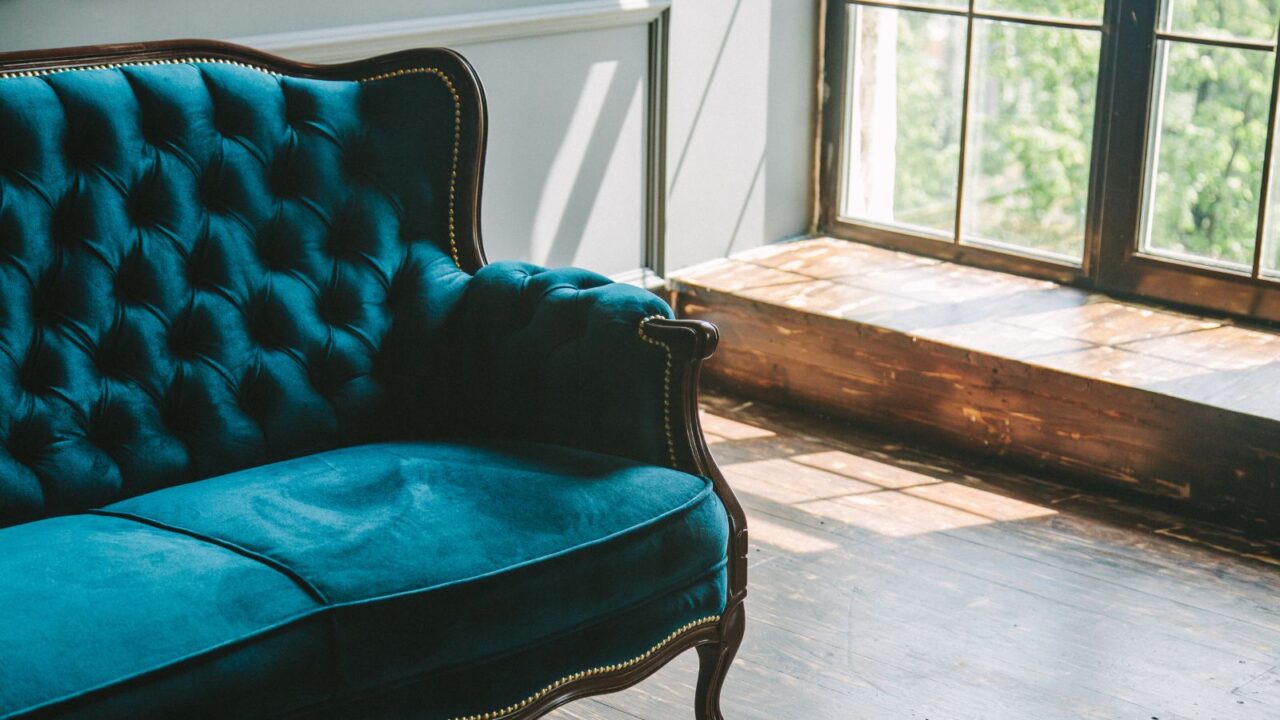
(1163, 403)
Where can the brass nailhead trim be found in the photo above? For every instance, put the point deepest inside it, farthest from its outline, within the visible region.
(453, 91)
(593, 672)
(666, 388)
(138, 63)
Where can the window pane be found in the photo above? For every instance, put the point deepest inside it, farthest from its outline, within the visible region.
(1244, 19)
(1071, 9)
(1207, 153)
(1030, 136)
(903, 118)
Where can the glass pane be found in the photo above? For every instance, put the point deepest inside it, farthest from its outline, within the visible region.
(1030, 136)
(1243, 19)
(1207, 154)
(903, 118)
(1071, 9)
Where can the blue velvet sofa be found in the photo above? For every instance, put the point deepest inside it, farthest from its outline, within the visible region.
(276, 442)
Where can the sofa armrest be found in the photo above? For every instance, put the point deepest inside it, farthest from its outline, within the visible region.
(572, 358)
(564, 356)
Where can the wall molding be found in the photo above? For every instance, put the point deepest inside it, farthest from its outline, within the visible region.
(352, 42)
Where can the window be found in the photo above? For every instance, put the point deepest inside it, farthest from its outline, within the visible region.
(1119, 144)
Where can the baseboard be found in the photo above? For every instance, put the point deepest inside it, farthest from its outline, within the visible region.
(353, 42)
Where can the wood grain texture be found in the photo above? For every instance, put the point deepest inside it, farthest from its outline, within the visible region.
(982, 594)
(1161, 404)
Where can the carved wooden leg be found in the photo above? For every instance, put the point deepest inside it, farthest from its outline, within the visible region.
(714, 665)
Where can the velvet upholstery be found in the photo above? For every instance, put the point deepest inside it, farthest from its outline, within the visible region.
(207, 267)
(555, 356)
(268, 450)
(92, 602)
(427, 559)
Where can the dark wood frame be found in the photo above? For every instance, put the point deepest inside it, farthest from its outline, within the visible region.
(1112, 261)
(689, 341)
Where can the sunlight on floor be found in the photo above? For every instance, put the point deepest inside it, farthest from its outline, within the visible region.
(787, 539)
(851, 490)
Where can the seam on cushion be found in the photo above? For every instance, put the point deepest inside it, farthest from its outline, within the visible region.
(266, 560)
(609, 617)
(685, 507)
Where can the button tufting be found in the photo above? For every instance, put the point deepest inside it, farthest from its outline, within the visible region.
(184, 337)
(103, 343)
(153, 128)
(337, 308)
(66, 227)
(25, 442)
(174, 412)
(209, 189)
(111, 357)
(326, 378)
(200, 269)
(36, 374)
(131, 283)
(108, 425)
(339, 243)
(262, 326)
(282, 178)
(47, 301)
(276, 249)
(78, 145)
(142, 205)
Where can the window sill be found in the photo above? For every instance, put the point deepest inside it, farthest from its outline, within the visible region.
(1162, 403)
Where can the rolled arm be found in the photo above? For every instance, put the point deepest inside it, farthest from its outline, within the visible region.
(567, 357)
(572, 358)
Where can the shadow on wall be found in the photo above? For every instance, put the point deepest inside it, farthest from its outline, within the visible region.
(565, 172)
(741, 127)
(610, 94)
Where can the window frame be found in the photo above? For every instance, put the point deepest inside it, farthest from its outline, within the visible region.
(1112, 261)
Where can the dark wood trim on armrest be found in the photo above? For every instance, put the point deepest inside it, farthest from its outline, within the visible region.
(691, 342)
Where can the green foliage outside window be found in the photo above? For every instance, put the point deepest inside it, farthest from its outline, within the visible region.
(1031, 120)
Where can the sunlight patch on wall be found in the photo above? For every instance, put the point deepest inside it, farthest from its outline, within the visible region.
(563, 174)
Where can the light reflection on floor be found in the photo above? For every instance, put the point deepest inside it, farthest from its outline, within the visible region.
(848, 489)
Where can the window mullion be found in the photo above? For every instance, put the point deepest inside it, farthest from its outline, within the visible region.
(964, 124)
(1123, 157)
(1264, 196)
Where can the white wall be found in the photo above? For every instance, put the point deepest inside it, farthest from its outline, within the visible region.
(739, 136)
(564, 183)
(565, 179)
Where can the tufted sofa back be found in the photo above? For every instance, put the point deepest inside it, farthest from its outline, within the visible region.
(206, 266)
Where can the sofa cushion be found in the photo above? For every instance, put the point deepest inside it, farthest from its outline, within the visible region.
(94, 608)
(431, 555)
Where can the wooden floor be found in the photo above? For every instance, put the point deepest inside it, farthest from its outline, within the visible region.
(889, 583)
